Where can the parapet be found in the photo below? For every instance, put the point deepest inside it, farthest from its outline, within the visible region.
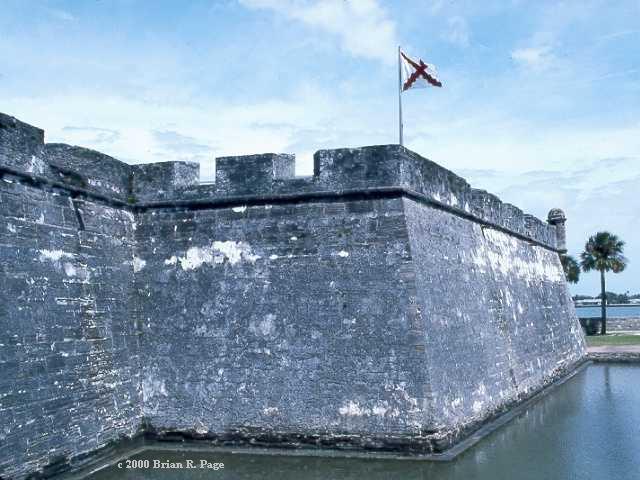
(264, 178)
(20, 145)
(23, 151)
(88, 169)
(252, 173)
(163, 178)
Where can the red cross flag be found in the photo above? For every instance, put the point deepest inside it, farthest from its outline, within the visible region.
(413, 74)
(417, 74)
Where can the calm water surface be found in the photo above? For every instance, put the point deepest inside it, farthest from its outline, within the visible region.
(588, 428)
(612, 312)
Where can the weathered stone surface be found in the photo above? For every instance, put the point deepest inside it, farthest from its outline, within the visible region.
(380, 304)
(558, 219)
(499, 320)
(252, 173)
(88, 169)
(150, 180)
(21, 145)
(288, 316)
(68, 343)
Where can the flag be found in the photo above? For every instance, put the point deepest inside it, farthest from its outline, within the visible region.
(413, 74)
(417, 74)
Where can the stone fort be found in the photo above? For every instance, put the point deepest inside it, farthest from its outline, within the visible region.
(381, 304)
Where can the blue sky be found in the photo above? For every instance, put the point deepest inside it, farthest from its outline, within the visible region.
(541, 100)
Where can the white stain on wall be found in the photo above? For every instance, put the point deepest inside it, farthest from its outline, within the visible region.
(353, 409)
(264, 327)
(379, 409)
(36, 165)
(152, 387)
(477, 406)
(70, 270)
(53, 255)
(503, 254)
(138, 264)
(230, 251)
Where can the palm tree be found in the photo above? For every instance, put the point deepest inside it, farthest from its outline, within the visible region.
(603, 252)
(571, 268)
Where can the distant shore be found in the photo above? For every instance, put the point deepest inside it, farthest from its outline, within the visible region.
(622, 324)
(609, 305)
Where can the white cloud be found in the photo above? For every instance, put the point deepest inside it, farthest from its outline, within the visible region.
(458, 31)
(362, 26)
(617, 35)
(505, 144)
(60, 15)
(175, 142)
(92, 135)
(536, 58)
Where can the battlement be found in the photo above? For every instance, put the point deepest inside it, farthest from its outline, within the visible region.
(372, 170)
(20, 145)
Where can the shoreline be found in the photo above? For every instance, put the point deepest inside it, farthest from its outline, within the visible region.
(620, 324)
(609, 305)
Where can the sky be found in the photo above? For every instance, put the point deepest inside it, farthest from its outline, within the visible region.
(540, 103)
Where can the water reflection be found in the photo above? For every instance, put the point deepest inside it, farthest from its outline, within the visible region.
(588, 428)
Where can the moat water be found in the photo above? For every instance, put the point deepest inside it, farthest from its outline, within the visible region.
(626, 311)
(587, 428)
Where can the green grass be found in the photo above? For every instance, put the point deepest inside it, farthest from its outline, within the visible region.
(613, 339)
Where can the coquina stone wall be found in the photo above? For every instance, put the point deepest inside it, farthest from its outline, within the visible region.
(380, 304)
(69, 356)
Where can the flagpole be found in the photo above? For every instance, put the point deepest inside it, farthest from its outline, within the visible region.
(399, 98)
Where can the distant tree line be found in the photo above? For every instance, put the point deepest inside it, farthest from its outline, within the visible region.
(612, 297)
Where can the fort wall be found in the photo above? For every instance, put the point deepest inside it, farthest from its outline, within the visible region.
(499, 320)
(381, 303)
(68, 347)
(297, 318)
